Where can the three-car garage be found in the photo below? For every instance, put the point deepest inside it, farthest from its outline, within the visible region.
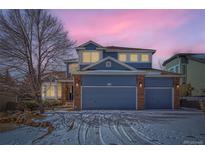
(111, 92)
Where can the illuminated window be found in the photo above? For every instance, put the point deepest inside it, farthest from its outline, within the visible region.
(73, 67)
(133, 57)
(50, 91)
(59, 89)
(86, 57)
(95, 56)
(91, 57)
(144, 57)
(122, 57)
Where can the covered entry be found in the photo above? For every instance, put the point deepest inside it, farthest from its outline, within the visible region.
(108, 92)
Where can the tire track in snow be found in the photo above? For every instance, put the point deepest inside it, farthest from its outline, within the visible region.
(138, 135)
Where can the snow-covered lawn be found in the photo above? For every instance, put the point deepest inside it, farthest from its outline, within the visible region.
(114, 127)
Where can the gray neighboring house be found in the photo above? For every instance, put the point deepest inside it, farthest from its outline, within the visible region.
(192, 67)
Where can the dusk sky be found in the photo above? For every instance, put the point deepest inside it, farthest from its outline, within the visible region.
(167, 31)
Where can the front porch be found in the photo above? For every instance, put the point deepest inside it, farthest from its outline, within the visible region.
(67, 93)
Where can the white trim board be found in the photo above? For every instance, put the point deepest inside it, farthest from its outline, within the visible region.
(112, 59)
(108, 86)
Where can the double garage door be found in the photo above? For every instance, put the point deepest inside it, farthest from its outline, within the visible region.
(108, 92)
(120, 93)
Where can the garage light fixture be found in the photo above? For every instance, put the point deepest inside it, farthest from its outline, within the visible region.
(140, 84)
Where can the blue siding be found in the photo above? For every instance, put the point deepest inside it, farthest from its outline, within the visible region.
(83, 65)
(158, 98)
(114, 66)
(140, 65)
(110, 54)
(158, 82)
(108, 98)
(112, 80)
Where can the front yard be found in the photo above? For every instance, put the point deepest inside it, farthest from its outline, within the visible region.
(114, 127)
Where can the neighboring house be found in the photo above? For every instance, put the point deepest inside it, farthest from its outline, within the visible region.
(120, 78)
(192, 67)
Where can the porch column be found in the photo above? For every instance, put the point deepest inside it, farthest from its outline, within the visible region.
(64, 92)
(140, 92)
(176, 93)
(77, 92)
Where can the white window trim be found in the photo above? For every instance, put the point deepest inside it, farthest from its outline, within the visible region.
(174, 68)
(118, 57)
(81, 56)
(138, 57)
(108, 64)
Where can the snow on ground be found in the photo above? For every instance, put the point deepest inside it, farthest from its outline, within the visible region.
(115, 127)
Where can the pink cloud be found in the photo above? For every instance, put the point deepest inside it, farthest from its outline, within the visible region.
(135, 28)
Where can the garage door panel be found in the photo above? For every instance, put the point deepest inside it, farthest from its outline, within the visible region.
(158, 98)
(114, 98)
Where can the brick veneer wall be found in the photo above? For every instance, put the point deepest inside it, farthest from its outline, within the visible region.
(140, 92)
(64, 92)
(176, 93)
(77, 92)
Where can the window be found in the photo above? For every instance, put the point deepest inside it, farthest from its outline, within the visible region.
(122, 57)
(95, 56)
(90, 57)
(133, 57)
(50, 91)
(144, 57)
(86, 57)
(177, 69)
(73, 67)
(108, 64)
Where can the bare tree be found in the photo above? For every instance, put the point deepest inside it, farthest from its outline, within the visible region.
(32, 43)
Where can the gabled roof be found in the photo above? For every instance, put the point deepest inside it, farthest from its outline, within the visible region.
(92, 42)
(192, 56)
(75, 60)
(54, 75)
(129, 48)
(111, 59)
(116, 48)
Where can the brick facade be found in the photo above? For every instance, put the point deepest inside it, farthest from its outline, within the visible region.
(77, 92)
(176, 93)
(64, 92)
(140, 92)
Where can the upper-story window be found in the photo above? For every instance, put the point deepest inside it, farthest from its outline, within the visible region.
(122, 57)
(144, 57)
(133, 57)
(90, 57)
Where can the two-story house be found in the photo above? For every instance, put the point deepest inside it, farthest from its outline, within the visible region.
(192, 67)
(120, 78)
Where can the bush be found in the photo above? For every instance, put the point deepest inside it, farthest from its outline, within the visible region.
(51, 103)
(30, 104)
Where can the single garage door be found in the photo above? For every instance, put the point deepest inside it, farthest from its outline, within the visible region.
(108, 92)
(158, 93)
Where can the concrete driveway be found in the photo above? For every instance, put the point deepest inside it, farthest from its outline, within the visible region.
(115, 127)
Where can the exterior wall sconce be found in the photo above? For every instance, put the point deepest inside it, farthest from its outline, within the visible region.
(177, 85)
(76, 84)
(140, 85)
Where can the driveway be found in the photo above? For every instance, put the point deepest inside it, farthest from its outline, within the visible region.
(115, 127)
